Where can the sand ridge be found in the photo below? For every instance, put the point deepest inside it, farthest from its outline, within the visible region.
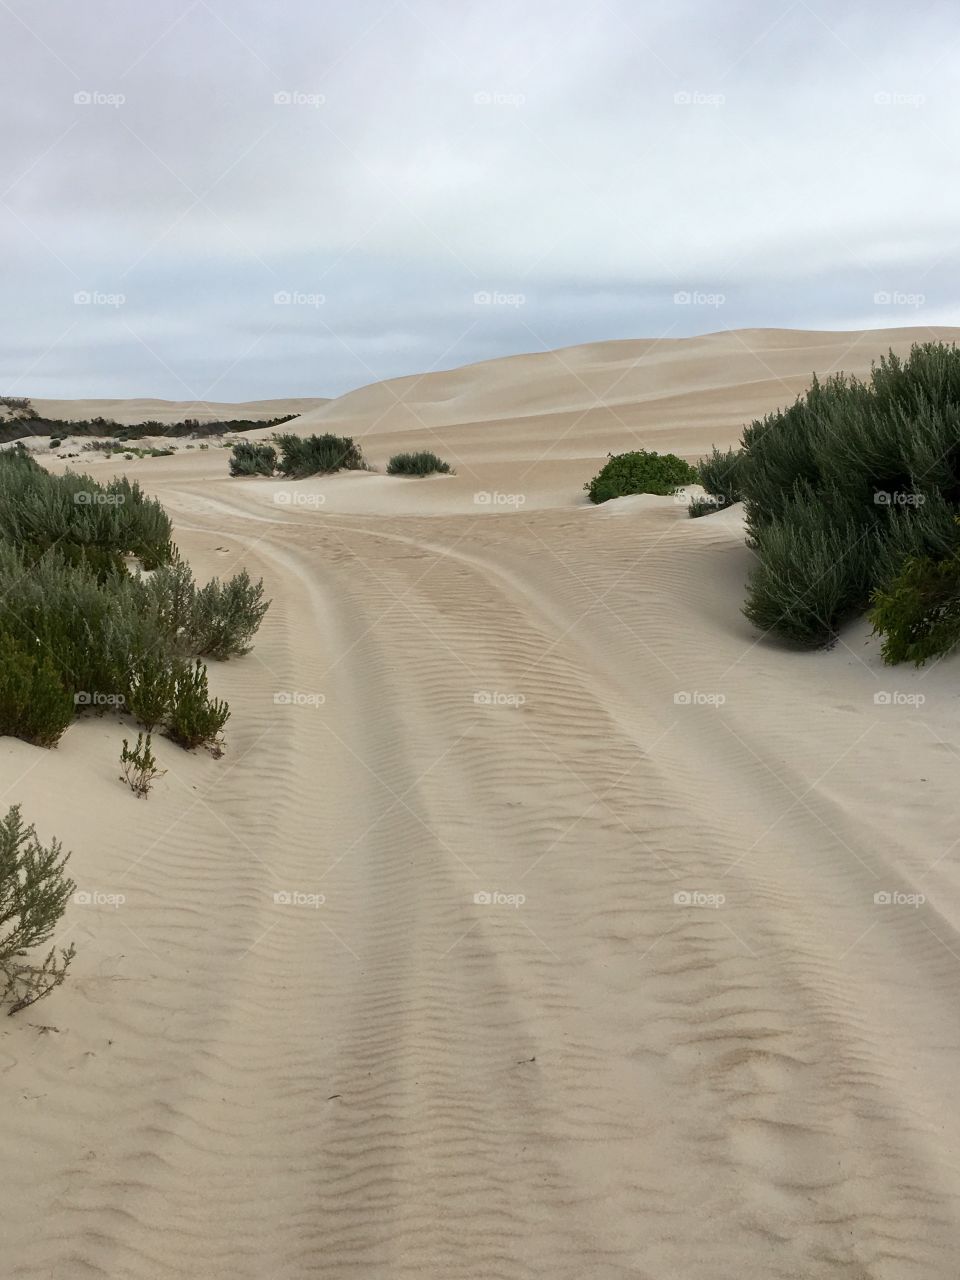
(682, 1038)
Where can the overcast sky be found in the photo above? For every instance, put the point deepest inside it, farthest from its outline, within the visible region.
(228, 199)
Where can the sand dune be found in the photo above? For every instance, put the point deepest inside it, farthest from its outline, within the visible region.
(697, 1048)
(130, 412)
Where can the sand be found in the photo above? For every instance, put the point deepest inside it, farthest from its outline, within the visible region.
(697, 1048)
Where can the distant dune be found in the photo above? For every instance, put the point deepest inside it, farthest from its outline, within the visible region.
(128, 412)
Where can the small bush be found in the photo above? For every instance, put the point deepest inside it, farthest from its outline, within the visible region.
(640, 472)
(720, 475)
(423, 463)
(153, 681)
(138, 766)
(55, 443)
(310, 455)
(704, 507)
(34, 703)
(249, 458)
(918, 612)
(34, 892)
(195, 718)
(225, 617)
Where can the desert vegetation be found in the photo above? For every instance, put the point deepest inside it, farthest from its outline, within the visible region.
(34, 891)
(851, 497)
(22, 421)
(640, 471)
(250, 458)
(297, 456)
(82, 627)
(423, 463)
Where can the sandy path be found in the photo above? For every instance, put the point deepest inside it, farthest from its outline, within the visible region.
(600, 1081)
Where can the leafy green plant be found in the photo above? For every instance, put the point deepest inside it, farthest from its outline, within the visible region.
(249, 458)
(846, 488)
(641, 471)
(918, 612)
(423, 463)
(34, 892)
(195, 718)
(138, 766)
(225, 616)
(35, 705)
(310, 455)
(150, 693)
(719, 474)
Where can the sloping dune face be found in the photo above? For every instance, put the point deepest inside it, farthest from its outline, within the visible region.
(542, 919)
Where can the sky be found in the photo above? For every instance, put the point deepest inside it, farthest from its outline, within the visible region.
(230, 200)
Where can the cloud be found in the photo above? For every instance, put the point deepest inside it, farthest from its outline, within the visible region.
(401, 158)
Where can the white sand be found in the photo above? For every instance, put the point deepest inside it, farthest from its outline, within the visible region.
(600, 1082)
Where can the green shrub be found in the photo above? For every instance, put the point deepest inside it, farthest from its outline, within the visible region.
(138, 766)
(149, 696)
(34, 892)
(918, 612)
(309, 455)
(249, 458)
(704, 506)
(640, 472)
(808, 578)
(55, 443)
(225, 616)
(34, 703)
(423, 463)
(195, 718)
(719, 474)
(842, 490)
